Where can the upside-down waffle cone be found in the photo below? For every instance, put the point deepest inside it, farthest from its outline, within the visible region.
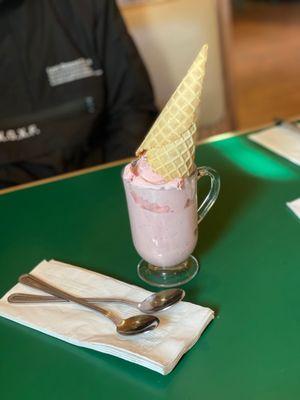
(176, 159)
(179, 114)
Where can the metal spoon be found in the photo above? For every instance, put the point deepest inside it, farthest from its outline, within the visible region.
(154, 303)
(130, 326)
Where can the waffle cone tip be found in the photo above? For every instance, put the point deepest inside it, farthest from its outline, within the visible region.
(170, 143)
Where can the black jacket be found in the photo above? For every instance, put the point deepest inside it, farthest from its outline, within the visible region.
(73, 89)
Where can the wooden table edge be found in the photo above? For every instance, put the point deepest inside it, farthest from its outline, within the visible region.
(215, 138)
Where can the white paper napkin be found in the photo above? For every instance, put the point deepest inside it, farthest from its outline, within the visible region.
(281, 140)
(160, 350)
(295, 206)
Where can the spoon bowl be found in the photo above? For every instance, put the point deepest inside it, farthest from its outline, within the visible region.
(161, 300)
(137, 324)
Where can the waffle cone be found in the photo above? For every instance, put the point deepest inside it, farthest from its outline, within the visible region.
(179, 115)
(170, 143)
(176, 159)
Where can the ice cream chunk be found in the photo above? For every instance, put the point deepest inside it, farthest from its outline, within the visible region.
(141, 174)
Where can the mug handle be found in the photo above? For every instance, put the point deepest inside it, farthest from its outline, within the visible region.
(213, 192)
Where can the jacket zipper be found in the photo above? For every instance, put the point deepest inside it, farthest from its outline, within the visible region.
(66, 110)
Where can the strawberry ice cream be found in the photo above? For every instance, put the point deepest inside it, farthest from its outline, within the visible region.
(163, 215)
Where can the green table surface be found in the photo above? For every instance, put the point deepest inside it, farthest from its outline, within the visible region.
(249, 249)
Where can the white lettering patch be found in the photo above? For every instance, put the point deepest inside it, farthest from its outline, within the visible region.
(15, 135)
(71, 71)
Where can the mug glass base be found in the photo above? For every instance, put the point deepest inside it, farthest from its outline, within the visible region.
(168, 277)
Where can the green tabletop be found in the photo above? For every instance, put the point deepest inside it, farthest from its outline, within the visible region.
(250, 273)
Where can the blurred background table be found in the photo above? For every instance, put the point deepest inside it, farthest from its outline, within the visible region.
(249, 253)
(254, 55)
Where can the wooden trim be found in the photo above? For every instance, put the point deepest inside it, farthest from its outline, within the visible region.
(216, 138)
(140, 3)
(65, 176)
(224, 10)
(97, 168)
(84, 171)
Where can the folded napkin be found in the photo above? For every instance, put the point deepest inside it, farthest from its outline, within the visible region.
(295, 206)
(160, 350)
(281, 140)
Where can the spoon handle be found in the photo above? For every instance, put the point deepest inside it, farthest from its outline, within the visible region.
(37, 298)
(33, 281)
(33, 298)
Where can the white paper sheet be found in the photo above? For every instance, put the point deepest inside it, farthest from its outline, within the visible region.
(282, 141)
(295, 206)
(160, 350)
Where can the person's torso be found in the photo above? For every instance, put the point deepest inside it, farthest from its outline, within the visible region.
(52, 93)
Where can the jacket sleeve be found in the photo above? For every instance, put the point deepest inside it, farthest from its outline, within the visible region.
(130, 108)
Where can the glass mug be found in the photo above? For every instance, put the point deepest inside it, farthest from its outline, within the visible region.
(164, 227)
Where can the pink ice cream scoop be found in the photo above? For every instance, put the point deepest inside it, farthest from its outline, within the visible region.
(163, 215)
(141, 174)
